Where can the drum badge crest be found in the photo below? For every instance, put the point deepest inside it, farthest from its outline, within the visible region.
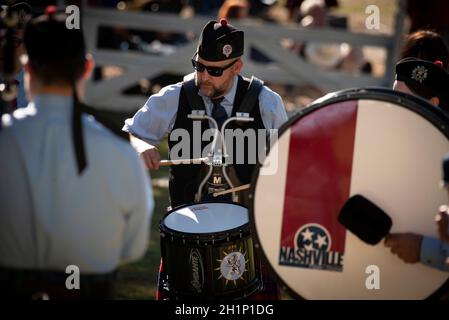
(419, 74)
(232, 266)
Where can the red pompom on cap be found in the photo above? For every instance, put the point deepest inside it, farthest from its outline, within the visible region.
(223, 22)
(50, 11)
(439, 63)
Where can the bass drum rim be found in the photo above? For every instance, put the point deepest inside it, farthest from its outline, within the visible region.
(422, 107)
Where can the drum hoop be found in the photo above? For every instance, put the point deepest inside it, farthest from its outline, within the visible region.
(220, 236)
(433, 114)
(212, 238)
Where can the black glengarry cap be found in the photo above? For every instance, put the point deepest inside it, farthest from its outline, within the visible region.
(220, 41)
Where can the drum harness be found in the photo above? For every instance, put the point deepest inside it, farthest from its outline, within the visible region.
(217, 155)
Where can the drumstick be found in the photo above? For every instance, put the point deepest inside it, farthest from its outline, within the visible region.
(181, 161)
(243, 187)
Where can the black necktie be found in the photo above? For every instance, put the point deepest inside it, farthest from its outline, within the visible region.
(219, 112)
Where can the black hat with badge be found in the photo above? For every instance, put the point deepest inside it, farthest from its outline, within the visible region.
(424, 78)
(220, 41)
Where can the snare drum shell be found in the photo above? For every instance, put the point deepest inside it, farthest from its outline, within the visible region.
(197, 266)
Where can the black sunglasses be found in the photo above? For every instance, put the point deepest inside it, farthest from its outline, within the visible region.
(213, 71)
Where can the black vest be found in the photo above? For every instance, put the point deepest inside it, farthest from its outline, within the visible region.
(185, 179)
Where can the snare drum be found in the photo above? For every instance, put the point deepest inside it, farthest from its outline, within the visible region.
(208, 252)
(383, 145)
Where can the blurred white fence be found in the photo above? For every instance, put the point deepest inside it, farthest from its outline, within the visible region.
(288, 68)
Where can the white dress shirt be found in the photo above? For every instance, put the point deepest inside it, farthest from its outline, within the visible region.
(50, 217)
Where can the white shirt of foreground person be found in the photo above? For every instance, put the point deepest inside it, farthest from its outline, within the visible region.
(51, 217)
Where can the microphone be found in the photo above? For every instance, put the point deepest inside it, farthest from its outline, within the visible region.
(365, 220)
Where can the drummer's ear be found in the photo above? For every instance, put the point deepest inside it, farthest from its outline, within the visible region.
(238, 67)
(435, 101)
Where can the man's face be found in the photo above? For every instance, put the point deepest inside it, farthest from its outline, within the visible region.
(215, 87)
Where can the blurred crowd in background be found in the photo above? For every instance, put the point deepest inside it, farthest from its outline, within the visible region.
(427, 15)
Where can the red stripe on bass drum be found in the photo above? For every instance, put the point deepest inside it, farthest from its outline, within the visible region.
(319, 171)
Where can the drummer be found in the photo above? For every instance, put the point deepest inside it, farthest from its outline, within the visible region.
(428, 80)
(218, 89)
(217, 64)
(412, 248)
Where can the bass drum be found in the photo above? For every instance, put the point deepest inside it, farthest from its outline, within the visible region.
(383, 145)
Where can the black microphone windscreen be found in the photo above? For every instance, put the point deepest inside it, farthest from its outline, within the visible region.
(364, 219)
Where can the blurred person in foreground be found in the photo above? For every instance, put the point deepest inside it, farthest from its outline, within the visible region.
(72, 194)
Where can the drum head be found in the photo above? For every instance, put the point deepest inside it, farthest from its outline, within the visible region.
(381, 144)
(207, 217)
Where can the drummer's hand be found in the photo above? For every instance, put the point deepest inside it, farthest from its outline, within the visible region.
(406, 245)
(147, 152)
(151, 158)
(442, 219)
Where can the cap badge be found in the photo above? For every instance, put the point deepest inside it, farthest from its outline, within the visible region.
(419, 74)
(227, 50)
